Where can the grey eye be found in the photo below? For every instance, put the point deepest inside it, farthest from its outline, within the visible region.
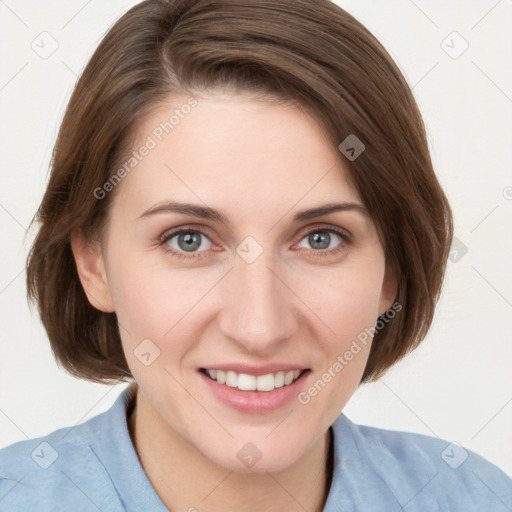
(321, 238)
(188, 241)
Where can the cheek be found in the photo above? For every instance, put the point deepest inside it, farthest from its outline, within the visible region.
(346, 301)
(154, 317)
(359, 308)
(350, 310)
(155, 301)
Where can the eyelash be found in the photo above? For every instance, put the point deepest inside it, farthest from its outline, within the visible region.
(168, 235)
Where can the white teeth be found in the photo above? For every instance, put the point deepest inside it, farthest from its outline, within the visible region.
(265, 382)
(279, 380)
(231, 379)
(246, 382)
(288, 377)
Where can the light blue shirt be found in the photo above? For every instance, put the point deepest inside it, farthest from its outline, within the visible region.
(93, 466)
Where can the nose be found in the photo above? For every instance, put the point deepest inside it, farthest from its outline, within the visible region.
(257, 308)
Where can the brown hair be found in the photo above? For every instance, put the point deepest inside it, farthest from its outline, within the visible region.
(312, 53)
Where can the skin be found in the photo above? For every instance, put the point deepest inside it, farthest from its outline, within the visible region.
(259, 163)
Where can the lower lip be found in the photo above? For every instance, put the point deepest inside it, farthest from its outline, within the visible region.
(255, 401)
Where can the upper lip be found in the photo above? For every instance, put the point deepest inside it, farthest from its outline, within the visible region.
(255, 370)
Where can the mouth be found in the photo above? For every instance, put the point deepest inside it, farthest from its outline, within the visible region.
(247, 382)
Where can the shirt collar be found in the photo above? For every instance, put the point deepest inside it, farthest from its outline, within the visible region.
(121, 461)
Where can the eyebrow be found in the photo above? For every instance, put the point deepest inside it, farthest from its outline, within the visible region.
(204, 212)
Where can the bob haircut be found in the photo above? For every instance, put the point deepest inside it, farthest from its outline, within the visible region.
(312, 54)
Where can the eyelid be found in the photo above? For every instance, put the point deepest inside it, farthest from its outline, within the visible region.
(169, 233)
(327, 227)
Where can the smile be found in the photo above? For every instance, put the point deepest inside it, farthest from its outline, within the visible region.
(246, 382)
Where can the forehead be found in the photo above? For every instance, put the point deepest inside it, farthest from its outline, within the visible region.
(236, 149)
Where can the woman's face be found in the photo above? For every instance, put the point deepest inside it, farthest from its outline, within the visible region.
(268, 289)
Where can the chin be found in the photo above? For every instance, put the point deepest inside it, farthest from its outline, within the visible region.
(258, 457)
(273, 464)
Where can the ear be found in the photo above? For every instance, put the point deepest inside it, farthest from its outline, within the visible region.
(91, 271)
(389, 290)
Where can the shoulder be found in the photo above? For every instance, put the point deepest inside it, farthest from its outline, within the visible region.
(61, 467)
(426, 470)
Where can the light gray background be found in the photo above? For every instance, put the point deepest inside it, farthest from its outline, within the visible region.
(458, 384)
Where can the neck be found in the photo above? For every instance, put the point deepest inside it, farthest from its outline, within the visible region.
(185, 479)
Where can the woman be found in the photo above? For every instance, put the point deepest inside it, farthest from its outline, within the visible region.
(242, 222)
